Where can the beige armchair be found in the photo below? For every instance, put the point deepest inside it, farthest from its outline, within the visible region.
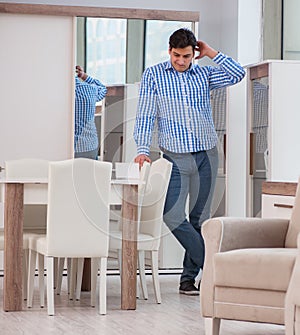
(248, 266)
(292, 303)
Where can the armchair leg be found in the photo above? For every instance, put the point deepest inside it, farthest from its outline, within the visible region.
(212, 326)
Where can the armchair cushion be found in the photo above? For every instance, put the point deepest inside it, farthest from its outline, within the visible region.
(257, 268)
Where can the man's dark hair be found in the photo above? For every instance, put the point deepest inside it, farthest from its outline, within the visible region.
(182, 38)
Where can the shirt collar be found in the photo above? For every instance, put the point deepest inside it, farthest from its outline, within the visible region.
(169, 66)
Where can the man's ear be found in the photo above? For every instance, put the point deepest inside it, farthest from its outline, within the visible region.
(170, 49)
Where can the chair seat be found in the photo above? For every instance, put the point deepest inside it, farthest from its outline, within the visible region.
(257, 268)
(144, 241)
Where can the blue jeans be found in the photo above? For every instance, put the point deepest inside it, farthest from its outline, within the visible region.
(93, 154)
(193, 174)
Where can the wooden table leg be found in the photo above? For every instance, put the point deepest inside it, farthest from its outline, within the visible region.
(86, 275)
(129, 247)
(13, 247)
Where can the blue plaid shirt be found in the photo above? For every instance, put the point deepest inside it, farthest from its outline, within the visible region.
(87, 93)
(180, 101)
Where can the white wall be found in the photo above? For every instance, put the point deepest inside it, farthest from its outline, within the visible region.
(233, 27)
(250, 30)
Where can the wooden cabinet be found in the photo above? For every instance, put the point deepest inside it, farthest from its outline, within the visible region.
(115, 127)
(273, 117)
(278, 199)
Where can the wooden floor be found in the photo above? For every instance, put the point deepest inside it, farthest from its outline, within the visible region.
(177, 315)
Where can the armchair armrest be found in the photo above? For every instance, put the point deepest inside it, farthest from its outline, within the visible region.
(229, 233)
(292, 298)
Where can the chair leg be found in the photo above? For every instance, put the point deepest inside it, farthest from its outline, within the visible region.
(69, 268)
(212, 326)
(94, 278)
(55, 272)
(50, 282)
(142, 274)
(80, 263)
(60, 270)
(120, 261)
(30, 279)
(41, 279)
(155, 278)
(73, 273)
(102, 286)
(25, 273)
(138, 288)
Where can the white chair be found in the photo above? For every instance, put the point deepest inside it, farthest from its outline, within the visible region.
(26, 168)
(77, 268)
(151, 219)
(77, 223)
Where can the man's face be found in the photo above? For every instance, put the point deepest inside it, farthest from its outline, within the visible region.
(181, 58)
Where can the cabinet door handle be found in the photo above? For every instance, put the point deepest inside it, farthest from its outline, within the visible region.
(283, 205)
(224, 151)
(252, 154)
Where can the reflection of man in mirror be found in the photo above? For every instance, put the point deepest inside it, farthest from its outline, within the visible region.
(88, 91)
(176, 93)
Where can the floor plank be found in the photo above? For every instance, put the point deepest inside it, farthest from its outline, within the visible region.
(177, 315)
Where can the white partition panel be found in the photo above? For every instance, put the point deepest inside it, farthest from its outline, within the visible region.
(37, 57)
(37, 86)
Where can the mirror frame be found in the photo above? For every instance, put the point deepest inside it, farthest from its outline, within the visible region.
(105, 12)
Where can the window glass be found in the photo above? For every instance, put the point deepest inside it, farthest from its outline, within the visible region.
(291, 36)
(157, 39)
(106, 49)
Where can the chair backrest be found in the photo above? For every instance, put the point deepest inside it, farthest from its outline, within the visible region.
(78, 208)
(294, 225)
(144, 175)
(27, 168)
(154, 198)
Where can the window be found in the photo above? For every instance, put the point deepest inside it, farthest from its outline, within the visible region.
(106, 49)
(291, 36)
(106, 53)
(157, 39)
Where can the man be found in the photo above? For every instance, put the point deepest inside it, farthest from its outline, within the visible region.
(176, 93)
(88, 91)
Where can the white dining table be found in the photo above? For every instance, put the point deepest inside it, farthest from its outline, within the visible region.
(18, 192)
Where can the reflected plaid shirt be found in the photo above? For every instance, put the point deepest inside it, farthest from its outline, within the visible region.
(180, 101)
(87, 93)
